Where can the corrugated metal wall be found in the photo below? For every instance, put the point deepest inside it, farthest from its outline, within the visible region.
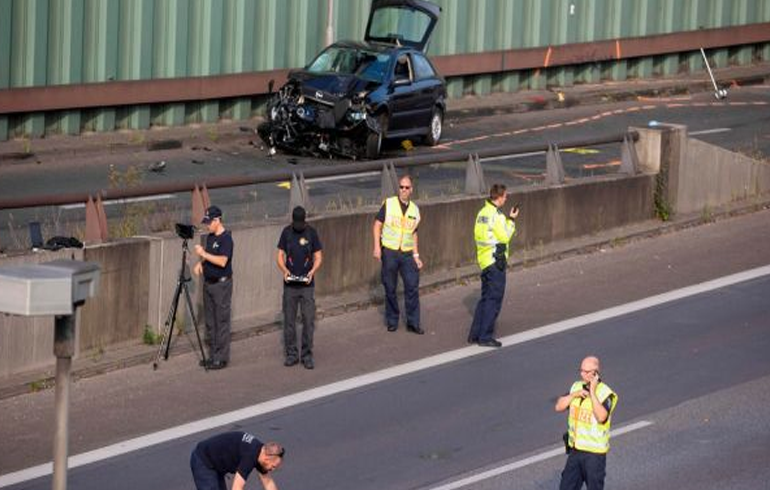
(51, 42)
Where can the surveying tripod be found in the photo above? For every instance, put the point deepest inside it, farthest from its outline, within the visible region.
(168, 328)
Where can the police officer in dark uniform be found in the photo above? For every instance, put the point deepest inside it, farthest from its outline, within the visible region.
(216, 265)
(299, 257)
(234, 453)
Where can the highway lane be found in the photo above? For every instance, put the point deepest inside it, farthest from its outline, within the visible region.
(418, 430)
(739, 123)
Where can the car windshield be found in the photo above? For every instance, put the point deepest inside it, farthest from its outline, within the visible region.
(368, 65)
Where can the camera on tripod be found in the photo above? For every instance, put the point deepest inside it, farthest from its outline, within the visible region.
(184, 231)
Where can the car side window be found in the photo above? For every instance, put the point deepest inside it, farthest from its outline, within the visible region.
(403, 70)
(422, 68)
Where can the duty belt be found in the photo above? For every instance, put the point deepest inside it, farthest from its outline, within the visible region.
(215, 280)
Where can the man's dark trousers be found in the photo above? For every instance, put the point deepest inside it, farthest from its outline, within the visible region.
(489, 305)
(217, 298)
(205, 478)
(304, 298)
(393, 263)
(583, 467)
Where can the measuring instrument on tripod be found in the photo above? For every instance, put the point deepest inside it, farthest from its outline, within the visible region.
(185, 232)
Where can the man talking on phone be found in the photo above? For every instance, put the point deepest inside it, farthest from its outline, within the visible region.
(493, 232)
(590, 403)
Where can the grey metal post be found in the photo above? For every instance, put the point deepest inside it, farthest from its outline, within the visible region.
(63, 349)
(554, 169)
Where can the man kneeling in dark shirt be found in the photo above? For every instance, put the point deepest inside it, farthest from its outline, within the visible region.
(237, 453)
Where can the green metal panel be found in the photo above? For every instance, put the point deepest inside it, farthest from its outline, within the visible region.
(5, 43)
(135, 56)
(171, 22)
(238, 51)
(740, 15)
(667, 65)
(28, 60)
(65, 58)
(46, 42)
(100, 56)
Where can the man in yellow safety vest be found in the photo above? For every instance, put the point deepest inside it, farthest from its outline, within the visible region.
(493, 232)
(397, 247)
(590, 403)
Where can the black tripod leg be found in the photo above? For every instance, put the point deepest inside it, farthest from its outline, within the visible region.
(195, 325)
(168, 328)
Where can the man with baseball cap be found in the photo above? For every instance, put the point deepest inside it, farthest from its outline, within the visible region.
(299, 257)
(216, 265)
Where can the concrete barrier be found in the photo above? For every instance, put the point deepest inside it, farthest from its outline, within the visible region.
(139, 275)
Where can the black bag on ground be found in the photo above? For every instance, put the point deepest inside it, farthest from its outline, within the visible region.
(60, 242)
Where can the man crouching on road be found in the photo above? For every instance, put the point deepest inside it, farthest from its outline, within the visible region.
(590, 403)
(237, 453)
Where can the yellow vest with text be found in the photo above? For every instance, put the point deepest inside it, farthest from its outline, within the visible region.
(585, 432)
(398, 228)
(492, 227)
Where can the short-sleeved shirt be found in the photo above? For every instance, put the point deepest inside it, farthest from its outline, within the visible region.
(299, 248)
(231, 452)
(219, 245)
(381, 214)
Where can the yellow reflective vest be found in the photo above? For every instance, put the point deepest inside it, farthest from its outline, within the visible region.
(492, 227)
(585, 432)
(398, 228)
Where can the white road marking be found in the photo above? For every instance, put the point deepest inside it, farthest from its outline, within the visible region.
(375, 173)
(158, 197)
(511, 157)
(376, 377)
(537, 458)
(709, 131)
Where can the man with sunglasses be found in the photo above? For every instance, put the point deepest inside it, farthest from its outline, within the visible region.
(235, 453)
(590, 403)
(397, 247)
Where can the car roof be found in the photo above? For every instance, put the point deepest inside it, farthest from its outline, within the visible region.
(372, 46)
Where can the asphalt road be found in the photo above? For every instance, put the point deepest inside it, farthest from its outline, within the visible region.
(667, 359)
(739, 123)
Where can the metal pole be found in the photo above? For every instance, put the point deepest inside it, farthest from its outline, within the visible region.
(63, 349)
(329, 22)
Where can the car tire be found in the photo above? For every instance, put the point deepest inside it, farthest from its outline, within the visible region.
(373, 145)
(436, 127)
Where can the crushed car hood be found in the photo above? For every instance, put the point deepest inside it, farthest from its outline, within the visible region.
(330, 88)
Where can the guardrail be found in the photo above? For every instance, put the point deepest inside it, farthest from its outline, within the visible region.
(96, 223)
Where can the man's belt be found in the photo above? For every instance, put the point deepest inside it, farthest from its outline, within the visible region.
(214, 280)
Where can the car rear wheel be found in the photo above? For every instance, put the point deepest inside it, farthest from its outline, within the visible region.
(436, 127)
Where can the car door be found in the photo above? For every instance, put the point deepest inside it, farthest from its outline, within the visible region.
(404, 96)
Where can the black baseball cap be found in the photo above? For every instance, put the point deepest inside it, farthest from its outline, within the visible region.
(298, 215)
(211, 213)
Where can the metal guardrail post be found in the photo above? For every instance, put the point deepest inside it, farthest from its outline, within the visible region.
(96, 221)
(474, 176)
(200, 202)
(298, 194)
(388, 181)
(554, 169)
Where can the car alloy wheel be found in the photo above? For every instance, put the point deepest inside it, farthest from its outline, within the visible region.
(436, 122)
